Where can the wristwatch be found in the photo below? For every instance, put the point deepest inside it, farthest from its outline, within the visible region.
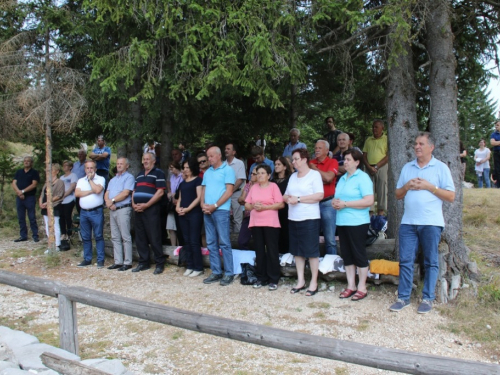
(298, 199)
(113, 200)
(376, 167)
(22, 191)
(215, 204)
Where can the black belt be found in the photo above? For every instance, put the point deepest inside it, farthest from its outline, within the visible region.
(92, 209)
(326, 199)
(124, 206)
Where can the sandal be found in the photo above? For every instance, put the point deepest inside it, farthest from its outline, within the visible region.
(347, 293)
(359, 295)
(310, 293)
(296, 290)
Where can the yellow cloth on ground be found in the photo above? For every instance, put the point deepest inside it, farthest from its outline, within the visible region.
(384, 267)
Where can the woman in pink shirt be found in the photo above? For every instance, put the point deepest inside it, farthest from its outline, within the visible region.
(263, 202)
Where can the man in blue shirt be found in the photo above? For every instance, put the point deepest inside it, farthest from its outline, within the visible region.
(495, 142)
(101, 154)
(217, 188)
(294, 143)
(24, 185)
(118, 200)
(424, 184)
(259, 158)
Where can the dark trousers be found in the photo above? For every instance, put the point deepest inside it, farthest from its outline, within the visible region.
(65, 222)
(190, 225)
(496, 172)
(28, 204)
(267, 253)
(148, 233)
(245, 234)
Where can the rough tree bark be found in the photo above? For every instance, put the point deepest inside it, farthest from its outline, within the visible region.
(402, 127)
(166, 135)
(444, 127)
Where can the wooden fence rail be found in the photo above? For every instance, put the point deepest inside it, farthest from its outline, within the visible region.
(345, 351)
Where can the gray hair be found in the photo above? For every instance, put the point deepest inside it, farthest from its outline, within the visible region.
(327, 145)
(153, 156)
(348, 138)
(29, 157)
(295, 130)
(216, 149)
(126, 159)
(429, 137)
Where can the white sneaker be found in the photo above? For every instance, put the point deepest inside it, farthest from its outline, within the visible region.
(195, 273)
(188, 272)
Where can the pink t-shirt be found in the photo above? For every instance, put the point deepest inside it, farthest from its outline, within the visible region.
(269, 195)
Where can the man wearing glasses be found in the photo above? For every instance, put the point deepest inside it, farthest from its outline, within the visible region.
(203, 163)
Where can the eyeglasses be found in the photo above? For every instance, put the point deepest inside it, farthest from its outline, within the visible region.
(296, 159)
(202, 161)
(254, 174)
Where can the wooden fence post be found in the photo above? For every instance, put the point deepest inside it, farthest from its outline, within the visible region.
(68, 329)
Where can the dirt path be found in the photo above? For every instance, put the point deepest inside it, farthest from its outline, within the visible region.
(148, 348)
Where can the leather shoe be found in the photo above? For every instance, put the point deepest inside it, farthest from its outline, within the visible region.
(158, 270)
(20, 239)
(125, 267)
(141, 267)
(115, 266)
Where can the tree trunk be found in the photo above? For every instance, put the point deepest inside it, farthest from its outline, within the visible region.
(166, 135)
(402, 128)
(444, 127)
(51, 246)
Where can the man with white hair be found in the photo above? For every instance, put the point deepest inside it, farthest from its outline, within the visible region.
(217, 188)
(118, 200)
(328, 168)
(294, 143)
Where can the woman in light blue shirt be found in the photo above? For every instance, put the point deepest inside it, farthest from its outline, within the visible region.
(353, 198)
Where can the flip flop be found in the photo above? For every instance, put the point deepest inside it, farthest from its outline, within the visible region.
(347, 293)
(359, 296)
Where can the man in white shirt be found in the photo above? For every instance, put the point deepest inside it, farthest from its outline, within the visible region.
(239, 171)
(90, 190)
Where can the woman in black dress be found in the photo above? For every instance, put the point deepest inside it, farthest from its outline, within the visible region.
(282, 172)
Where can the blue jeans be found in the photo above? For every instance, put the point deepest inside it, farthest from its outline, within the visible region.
(328, 226)
(23, 205)
(92, 221)
(217, 231)
(410, 237)
(486, 176)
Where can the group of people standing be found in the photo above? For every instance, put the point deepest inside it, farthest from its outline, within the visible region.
(284, 206)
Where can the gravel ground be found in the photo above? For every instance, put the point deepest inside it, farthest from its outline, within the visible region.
(151, 348)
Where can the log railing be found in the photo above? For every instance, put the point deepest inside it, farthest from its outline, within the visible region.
(346, 351)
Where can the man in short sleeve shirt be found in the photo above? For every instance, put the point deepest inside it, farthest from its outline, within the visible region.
(118, 200)
(101, 154)
(24, 185)
(149, 188)
(328, 168)
(90, 190)
(217, 188)
(241, 176)
(424, 184)
(495, 142)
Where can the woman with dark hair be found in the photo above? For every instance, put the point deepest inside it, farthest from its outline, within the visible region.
(70, 179)
(303, 193)
(353, 198)
(282, 172)
(245, 233)
(463, 159)
(263, 201)
(190, 216)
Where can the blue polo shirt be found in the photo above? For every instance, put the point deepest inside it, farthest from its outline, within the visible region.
(124, 181)
(215, 181)
(25, 179)
(289, 149)
(496, 136)
(266, 161)
(146, 185)
(421, 206)
(354, 188)
(103, 164)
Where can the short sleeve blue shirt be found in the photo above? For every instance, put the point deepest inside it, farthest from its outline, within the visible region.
(354, 188)
(496, 136)
(266, 161)
(103, 164)
(215, 181)
(289, 149)
(421, 206)
(124, 181)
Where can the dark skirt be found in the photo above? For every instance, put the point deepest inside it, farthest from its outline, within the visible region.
(304, 238)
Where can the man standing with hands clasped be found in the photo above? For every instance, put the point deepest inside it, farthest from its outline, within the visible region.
(424, 184)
